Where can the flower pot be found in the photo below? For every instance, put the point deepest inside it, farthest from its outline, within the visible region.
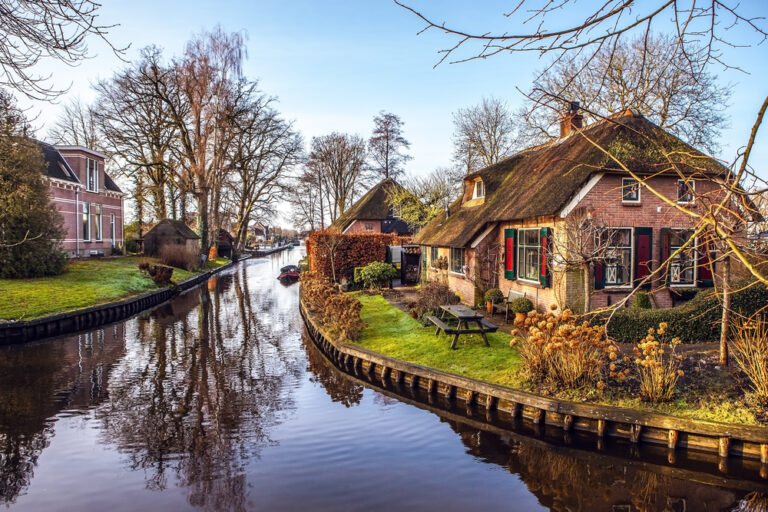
(520, 316)
(489, 307)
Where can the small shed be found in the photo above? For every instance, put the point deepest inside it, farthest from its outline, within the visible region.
(169, 232)
(225, 244)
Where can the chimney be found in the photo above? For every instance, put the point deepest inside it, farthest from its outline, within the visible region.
(572, 119)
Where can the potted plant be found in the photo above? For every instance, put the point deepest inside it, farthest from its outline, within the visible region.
(493, 296)
(520, 307)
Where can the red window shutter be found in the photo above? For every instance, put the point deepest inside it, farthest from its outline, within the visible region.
(545, 235)
(599, 276)
(643, 254)
(510, 246)
(704, 277)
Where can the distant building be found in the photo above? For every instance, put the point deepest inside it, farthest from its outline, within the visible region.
(90, 203)
(373, 214)
(169, 232)
(225, 244)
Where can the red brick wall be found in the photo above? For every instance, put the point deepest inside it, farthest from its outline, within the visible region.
(361, 226)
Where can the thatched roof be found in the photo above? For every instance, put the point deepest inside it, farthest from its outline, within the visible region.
(374, 205)
(179, 226)
(541, 180)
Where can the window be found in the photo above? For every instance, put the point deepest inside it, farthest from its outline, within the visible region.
(433, 254)
(685, 190)
(86, 222)
(112, 229)
(529, 254)
(93, 175)
(369, 226)
(618, 257)
(630, 190)
(681, 266)
(457, 260)
(395, 211)
(96, 216)
(479, 190)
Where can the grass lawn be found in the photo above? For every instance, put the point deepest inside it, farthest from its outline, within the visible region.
(85, 283)
(393, 333)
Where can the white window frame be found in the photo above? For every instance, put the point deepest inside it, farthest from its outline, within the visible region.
(460, 272)
(632, 249)
(88, 171)
(431, 259)
(86, 221)
(623, 196)
(521, 261)
(691, 184)
(478, 190)
(694, 258)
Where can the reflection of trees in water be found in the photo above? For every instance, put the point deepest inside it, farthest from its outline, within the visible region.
(566, 483)
(753, 502)
(338, 386)
(198, 396)
(37, 381)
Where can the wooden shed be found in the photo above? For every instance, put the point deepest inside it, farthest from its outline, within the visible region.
(225, 244)
(169, 232)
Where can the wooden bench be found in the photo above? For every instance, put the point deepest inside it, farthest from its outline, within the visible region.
(441, 326)
(488, 326)
(512, 295)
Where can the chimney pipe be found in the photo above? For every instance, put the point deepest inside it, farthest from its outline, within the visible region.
(571, 119)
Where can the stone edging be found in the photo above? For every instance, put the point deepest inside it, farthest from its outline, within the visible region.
(95, 316)
(725, 439)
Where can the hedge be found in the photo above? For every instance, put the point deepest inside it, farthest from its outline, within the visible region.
(698, 320)
(351, 250)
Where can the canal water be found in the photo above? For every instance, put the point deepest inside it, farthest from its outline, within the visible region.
(218, 401)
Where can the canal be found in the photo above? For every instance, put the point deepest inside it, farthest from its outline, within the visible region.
(219, 401)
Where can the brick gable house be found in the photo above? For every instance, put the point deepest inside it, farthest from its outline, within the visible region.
(514, 208)
(372, 213)
(89, 201)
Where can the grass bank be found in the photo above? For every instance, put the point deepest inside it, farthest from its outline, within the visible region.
(705, 393)
(85, 283)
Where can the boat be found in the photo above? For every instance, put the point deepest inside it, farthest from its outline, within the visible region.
(289, 274)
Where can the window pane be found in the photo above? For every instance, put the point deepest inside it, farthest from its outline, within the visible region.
(618, 257)
(630, 191)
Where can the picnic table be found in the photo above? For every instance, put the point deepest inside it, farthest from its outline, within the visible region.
(464, 316)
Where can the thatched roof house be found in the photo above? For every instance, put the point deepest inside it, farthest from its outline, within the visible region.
(530, 195)
(372, 213)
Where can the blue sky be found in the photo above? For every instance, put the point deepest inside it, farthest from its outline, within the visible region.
(334, 64)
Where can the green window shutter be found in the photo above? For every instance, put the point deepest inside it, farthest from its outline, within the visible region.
(544, 273)
(643, 255)
(599, 275)
(510, 250)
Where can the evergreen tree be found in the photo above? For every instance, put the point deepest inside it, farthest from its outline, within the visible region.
(30, 225)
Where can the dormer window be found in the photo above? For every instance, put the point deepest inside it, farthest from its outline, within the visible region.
(92, 181)
(479, 190)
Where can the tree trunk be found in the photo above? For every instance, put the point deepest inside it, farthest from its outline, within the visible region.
(202, 219)
(726, 319)
(158, 197)
(586, 283)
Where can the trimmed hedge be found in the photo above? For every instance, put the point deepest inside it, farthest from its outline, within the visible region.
(350, 251)
(695, 321)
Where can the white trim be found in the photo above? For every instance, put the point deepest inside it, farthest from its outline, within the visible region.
(581, 194)
(482, 236)
(692, 183)
(631, 201)
(632, 249)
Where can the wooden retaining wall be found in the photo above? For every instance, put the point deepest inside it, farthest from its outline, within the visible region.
(676, 433)
(96, 316)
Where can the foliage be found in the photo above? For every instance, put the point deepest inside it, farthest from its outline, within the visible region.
(377, 273)
(181, 256)
(431, 296)
(521, 305)
(698, 320)
(642, 301)
(339, 312)
(30, 225)
(558, 350)
(441, 263)
(349, 251)
(658, 367)
(213, 253)
(494, 295)
(424, 198)
(131, 245)
(160, 274)
(749, 347)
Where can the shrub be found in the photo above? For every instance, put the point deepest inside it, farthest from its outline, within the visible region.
(749, 346)
(494, 295)
(441, 263)
(339, 313)
(179, 256)
(431, 296)
(349, 251)
(521, 305)
(642, 300)
(160, 274)
(213, 253)
(131, 245)
(560, 351)
(658, 367)
(377, 273)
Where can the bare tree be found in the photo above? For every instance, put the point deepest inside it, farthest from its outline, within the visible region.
(77, 126)
(650, 75)
(338, 160)
(304, 196)
(386, 145)
(424, 197)
(33, 31)
(483, 134)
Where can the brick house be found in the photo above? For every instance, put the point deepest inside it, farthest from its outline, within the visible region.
(502, 227)
(372, 213)
(89, 201)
